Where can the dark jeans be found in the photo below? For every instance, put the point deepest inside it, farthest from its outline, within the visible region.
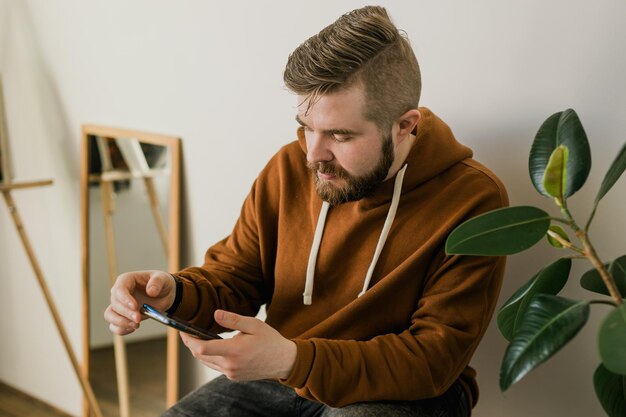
(222, 397)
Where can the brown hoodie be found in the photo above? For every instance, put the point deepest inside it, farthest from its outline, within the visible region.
(412, 333)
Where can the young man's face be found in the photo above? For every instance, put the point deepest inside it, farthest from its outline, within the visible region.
(346, 153)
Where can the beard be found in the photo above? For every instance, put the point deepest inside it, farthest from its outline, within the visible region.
(355, 187)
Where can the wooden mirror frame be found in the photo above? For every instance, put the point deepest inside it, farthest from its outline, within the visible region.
(173, 254)
(5, 161)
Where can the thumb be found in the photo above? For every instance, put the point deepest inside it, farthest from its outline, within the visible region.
(233, 321)
(156, 284)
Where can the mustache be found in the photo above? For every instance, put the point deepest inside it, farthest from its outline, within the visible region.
(328, 168)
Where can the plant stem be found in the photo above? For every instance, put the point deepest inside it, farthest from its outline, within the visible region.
(591, 254)
(570, 219)
(593, 213)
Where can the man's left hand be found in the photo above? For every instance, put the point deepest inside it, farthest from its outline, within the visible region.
(258, 351)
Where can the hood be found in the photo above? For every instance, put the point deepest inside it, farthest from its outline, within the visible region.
(435, 150)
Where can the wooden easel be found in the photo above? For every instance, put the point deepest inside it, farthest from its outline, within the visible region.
(6, 189)
(106, 180)
(6, 186)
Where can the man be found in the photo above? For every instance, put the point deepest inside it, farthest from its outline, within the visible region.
(342, 238)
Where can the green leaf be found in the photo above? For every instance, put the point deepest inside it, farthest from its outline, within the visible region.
(612, 340)
(592, 281)
(562, 128)
(550, 280)
(559, 231)
(549, 324)
(555, 175)
(499, 232)
(615, 171)
(611, 391)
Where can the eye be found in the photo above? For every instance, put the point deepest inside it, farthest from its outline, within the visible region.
(341, 138)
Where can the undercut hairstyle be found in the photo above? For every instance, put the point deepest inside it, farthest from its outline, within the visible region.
(362, 46)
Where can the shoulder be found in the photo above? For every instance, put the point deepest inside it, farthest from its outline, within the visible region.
(284, 172)
(283, 186)
(289, 159)
(474, 189)
(483, 176)
(464, 190)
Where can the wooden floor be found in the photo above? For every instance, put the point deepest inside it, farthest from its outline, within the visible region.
(146, 380)
(14, 403)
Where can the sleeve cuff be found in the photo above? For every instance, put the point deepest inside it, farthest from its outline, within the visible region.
(302, 367)
(187, 296)
(178, 296)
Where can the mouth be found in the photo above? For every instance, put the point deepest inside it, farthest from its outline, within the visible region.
(325, 176)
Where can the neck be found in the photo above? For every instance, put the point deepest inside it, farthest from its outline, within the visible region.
(401, 152)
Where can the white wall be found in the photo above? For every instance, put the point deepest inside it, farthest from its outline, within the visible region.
(210, 72)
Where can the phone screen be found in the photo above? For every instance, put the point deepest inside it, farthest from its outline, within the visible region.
(178, 324)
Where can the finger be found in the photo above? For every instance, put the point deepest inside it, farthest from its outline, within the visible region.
(233, 321)
(112, 317)
(122, 291)
(122, 308)
(213, 362)
(188, 341)
(208, 348)
(157, 283)
(120, 330)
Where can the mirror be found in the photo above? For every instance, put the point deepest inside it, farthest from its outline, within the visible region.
(130, 221)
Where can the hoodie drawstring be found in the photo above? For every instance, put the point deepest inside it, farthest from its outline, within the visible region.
(319, 230)
(317, 240)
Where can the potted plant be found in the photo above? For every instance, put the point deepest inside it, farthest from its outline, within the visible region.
(537, 321)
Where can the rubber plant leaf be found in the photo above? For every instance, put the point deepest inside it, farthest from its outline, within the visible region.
(612, 340)
(615, 171)
(500, 232)
(611, 391)
(550, 280)
(559, 231)
(549, 324)
(562, 128)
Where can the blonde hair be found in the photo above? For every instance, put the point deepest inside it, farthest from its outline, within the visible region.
(362, 46)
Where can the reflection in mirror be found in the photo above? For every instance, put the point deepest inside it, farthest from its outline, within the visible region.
(130, 222)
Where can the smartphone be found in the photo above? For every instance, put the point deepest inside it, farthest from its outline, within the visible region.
(178, 324)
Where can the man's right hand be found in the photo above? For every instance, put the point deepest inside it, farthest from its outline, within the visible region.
(130, 291)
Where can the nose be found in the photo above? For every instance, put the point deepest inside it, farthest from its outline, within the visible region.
(317, 148)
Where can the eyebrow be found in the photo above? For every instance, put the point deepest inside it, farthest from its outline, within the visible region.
(329, 131)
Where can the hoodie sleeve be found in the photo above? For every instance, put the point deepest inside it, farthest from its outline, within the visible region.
(232, 276)
(238, 272)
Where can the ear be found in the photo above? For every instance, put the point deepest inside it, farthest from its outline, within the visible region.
(406, 123)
